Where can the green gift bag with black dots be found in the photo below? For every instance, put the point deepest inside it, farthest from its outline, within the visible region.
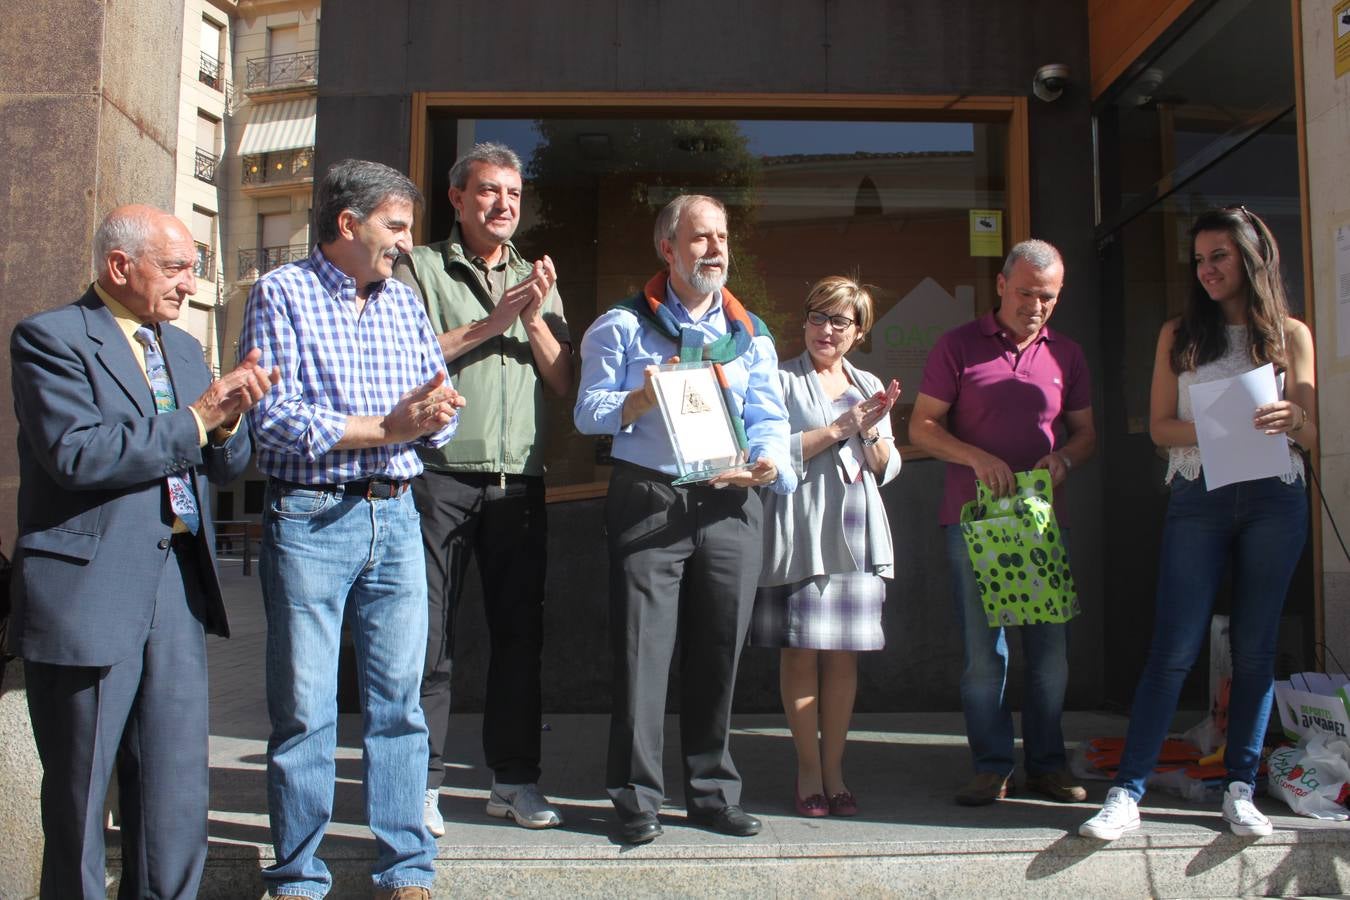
(1020, 562)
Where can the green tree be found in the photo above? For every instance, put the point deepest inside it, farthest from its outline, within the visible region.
(610, 177)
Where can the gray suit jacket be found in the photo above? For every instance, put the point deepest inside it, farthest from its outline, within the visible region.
(94, 519)
(804, 530)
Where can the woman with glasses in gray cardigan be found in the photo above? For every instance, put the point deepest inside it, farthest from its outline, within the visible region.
(827, 546)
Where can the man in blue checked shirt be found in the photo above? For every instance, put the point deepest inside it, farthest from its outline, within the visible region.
(684, 559)
(362, 385)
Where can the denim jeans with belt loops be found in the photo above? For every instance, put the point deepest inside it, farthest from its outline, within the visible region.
(321, 550)
(984, 680)
(1260, 526)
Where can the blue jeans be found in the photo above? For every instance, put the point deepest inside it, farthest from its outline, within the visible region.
(321, 550)
(989, 721)
(1261, 526)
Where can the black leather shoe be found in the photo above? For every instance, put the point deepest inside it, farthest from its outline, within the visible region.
(641, 829)
(730, 820)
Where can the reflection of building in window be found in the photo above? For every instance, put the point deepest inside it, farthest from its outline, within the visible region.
(867, 202)
(284, 165)
(203, 265)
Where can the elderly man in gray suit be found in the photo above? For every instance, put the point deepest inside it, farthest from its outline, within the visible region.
(120, 427)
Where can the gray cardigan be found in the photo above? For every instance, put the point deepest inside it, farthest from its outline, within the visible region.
(804, 530)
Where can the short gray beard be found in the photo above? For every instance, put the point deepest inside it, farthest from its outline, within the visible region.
(702, 282)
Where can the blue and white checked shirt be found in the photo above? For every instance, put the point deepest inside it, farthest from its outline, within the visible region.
(615, 353)
(335, 364)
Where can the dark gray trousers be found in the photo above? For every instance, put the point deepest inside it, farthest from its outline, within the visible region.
(466, 515)
(146, 716)
(684, 562)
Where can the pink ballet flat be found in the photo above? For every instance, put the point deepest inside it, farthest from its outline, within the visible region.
(843, 804)
(813, 807)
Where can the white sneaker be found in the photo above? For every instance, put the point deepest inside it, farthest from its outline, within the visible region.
(1119, 814)
(1242, 815)
(431, 812)
(524, 804)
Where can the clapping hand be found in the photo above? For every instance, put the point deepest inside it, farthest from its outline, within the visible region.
(862, 416)
(526, 299)
(423, 410)
(235, 392)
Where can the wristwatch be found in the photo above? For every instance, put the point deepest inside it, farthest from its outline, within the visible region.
(1064, 458)
(869, 441)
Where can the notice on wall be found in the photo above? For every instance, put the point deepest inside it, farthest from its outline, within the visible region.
(986, 230)
(1341, 45)
(1342, 242)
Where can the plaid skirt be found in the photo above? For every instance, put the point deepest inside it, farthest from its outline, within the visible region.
(838, 611)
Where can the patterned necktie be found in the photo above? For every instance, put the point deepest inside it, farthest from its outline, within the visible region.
(181, 498)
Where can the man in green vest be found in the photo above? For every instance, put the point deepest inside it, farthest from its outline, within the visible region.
(500, 323)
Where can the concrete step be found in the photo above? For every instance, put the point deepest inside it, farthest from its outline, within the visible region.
(910, 839)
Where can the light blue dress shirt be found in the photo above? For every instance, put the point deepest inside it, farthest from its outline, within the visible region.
(617, 349)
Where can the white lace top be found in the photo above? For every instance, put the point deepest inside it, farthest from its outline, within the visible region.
(1185, 461)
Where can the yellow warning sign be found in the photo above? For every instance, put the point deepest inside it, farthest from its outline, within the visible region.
(986, 231)
(1341, 45)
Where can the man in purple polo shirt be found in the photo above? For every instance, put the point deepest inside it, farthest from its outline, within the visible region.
(1005, 394)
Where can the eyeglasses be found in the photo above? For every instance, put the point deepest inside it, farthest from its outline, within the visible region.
(818, 319)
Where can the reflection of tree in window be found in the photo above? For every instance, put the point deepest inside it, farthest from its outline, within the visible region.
(614, 176)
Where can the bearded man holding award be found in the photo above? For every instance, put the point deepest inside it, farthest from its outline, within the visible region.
(684, 553)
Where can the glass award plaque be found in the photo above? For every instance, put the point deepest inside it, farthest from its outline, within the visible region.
(696, 405)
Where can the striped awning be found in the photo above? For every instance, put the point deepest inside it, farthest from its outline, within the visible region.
(279, 126)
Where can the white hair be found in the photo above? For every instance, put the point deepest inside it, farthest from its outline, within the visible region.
(1040, 255)
(668, 219)
(127, 230)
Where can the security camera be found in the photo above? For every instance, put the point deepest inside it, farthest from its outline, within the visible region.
(1050, 81)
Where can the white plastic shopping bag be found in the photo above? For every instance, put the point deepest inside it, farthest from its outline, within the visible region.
(1313, 777)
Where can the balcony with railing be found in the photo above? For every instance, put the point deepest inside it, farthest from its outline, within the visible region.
(281, 167)
(204, 166)
(285, 70)
(258, 261)
(211, 72)
(205, 266)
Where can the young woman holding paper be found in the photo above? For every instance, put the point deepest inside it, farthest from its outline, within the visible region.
(1235, 320)
(827, 546)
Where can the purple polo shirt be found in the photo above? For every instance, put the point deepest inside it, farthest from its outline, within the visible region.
(1005, 405)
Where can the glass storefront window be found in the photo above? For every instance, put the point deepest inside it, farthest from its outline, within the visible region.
(1207, 92)
(888, 202)
(1157, 276)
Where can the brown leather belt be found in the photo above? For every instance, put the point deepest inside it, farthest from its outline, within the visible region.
(368, 488)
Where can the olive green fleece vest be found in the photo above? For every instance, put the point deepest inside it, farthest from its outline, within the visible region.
(501, 428)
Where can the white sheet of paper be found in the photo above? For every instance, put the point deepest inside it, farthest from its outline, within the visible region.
(1231, 448)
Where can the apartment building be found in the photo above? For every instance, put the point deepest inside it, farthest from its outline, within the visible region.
(245, 151)
(205, 95)
(275, 56)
